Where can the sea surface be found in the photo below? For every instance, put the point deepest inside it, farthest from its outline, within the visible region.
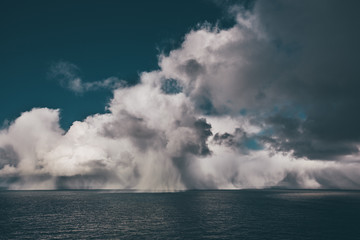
(240, 214)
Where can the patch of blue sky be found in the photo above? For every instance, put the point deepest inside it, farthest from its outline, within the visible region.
(252, 144)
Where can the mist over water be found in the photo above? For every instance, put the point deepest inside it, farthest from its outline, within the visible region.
(244, 214)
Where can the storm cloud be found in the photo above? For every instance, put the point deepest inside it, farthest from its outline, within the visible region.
(271, 101)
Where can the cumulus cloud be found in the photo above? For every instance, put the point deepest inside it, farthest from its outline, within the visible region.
(68, 75)
(269, 102)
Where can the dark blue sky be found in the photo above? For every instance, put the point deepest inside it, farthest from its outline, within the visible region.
(107, 38)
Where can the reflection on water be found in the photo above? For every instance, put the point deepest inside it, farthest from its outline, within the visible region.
(245, 214)
(299, 194)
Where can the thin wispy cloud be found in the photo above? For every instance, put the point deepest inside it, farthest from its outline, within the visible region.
(68, 75)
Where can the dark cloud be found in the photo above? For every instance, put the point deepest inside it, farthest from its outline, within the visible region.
(193, 68)
(202, 97)
(190, 149)
(31, 180)
(310, 55)
(203, 130)
(293, 134)
(239, 140)
(8, 156)
(6, 181)
(134, 128)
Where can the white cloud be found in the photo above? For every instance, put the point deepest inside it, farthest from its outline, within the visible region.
(237, 80)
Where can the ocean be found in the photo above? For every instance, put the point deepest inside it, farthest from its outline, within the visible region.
(218, 214)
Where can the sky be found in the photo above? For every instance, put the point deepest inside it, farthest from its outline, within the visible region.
(109, 39)
(175, 95)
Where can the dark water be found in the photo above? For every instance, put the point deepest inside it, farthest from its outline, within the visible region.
(245, 214)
